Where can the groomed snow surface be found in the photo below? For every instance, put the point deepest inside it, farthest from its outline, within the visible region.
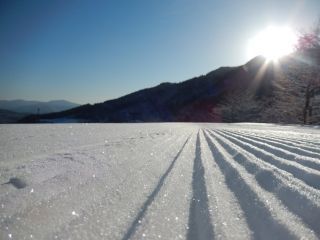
(159, 181)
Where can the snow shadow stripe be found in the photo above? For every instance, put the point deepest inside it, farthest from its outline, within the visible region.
(200, 226)
(294, 151)
(301, 173)
(131, 230)
(258, 216)
(292, 199)
(281, 152)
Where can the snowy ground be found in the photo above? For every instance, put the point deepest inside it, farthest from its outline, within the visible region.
(152, 181)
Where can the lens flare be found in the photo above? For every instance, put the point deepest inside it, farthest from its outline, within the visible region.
(273, 43)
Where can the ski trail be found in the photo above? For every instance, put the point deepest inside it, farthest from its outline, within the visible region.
(310, 146)
(289, 142)
(308, 175)
(298, 198)
(151, 197)
(295, 140)
(199, 218)
(282, 146)
(79, 194)
(160, 181)
(167, 216)
(127, 196)
(48, 179)
(226, 214)
(266, 216)
(279, 152)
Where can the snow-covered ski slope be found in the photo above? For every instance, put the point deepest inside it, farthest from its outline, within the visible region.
(159, 181)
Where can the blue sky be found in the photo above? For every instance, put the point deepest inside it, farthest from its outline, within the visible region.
(92, 51)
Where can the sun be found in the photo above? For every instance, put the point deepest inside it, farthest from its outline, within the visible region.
(273, 43)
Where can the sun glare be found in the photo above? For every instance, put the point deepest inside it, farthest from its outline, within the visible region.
(273, 43)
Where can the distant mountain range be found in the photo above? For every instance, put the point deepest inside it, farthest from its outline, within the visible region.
(258, 91)
(7, 116)
(32, 107)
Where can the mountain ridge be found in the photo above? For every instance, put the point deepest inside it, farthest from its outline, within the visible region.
(250, 92)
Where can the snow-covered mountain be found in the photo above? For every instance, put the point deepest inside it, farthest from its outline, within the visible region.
(32, 107)
(258, 91)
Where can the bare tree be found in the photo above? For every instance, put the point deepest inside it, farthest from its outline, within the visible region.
(309, 48)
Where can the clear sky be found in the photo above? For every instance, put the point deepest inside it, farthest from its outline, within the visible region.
(92, 51)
